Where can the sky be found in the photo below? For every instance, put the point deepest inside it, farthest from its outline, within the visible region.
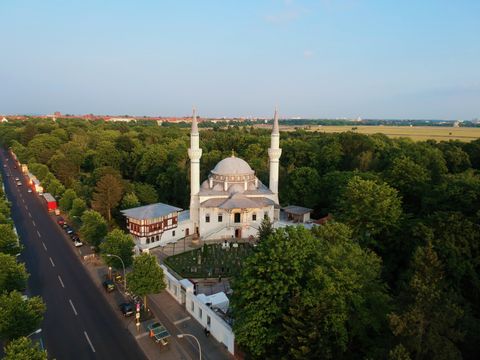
(314, 58)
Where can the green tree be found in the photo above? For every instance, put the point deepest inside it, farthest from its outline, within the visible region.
(369, 208)
(13, 275)
(78, 207)
(24, 349)
(146, 276)
(146, 193)
(428, 324)
(19, 317)
(302, 183)
(66, 201)
(107, 195)
(129, 201)
(117, 243)
(94, 227)
(9, 243)
(265, 229)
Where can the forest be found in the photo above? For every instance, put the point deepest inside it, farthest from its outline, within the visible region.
(395, 274)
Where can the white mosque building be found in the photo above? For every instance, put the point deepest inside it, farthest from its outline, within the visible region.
(230, 204)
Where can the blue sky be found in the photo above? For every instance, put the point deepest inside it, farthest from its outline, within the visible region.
(317, 58)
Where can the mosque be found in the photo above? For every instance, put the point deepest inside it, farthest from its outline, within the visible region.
(230, 204)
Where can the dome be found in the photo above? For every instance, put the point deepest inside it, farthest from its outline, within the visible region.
(232, 166)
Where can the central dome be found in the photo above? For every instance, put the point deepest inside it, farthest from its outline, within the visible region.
(232, 166)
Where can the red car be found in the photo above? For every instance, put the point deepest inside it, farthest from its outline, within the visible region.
(60, 221)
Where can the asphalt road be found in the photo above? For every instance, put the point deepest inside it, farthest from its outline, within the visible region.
(79, 323)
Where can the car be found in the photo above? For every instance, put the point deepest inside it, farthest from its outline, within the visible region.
(74, 237)
(60, 221)
(19, 183)
(158, 333)
(17, 179)
(65, 225)
(29, 190)
(126, 309)
(4, 165)
(77, 243)
(14, 166)
(68, 229)
(109, 285)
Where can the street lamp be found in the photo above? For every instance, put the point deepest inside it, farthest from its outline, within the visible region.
(180, 336)
(124, 277)
(38, 331)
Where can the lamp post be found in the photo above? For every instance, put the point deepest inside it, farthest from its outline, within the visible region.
(180, 336)
(38, 331)
(124, 277)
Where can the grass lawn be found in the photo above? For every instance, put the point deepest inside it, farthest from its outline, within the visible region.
(210, 261)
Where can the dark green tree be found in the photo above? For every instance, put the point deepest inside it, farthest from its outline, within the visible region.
(117, 243)
(94, 227)
(107, 195)
(13, 275)
(24, 349)
(19, 317)
(146, 276)
(66, 201)
(9, 243)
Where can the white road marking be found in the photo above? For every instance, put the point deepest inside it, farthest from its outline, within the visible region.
(53, 265)
(33, 222)
(142, 335)
(29, 214)
(61, 282)
(26, 207)
(89, 342)
(181, 320)
(44, 246)
(38, 233)
(23, 200)
(73, 307)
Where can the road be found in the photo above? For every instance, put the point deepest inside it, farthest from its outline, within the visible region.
(79, 323)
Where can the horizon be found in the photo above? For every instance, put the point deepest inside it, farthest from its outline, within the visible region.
(325, 59)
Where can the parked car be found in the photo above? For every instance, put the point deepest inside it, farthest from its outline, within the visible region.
(74, 237)
(19, 183)
(109, 285)
(29, 190)
(65, 225)
(158, 333)
(60, 221)
(126, 309)
(69, 230)
(77, 243)
(17, 179)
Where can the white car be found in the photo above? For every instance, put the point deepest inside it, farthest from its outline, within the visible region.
(19, 183)
(29, 190)
(78, 243)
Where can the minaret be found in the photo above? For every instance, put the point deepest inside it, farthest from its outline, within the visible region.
(274, 154)
(194, 153)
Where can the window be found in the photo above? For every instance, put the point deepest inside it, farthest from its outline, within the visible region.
(148, 240)
(254, 217)
(208, 320)
(220, 218)
(158, 238)
(193, 306)
(200, 312)
(173, 233)
(207, 218)
(237, 217)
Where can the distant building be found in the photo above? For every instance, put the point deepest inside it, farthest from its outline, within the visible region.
(121, 119)
(4, 120)
(456, 124)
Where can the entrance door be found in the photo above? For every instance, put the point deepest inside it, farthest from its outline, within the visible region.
(238, 233)
(187, 232)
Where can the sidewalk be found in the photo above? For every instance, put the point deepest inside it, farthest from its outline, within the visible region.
(171, 314)
(179, 322)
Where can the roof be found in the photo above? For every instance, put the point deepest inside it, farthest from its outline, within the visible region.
(232, 166)
(238, 201)
(297, 210)
(184, 215)
(152, 211)
(49, 197)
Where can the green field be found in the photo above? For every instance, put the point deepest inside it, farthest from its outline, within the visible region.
(415, 132)
(210, 261)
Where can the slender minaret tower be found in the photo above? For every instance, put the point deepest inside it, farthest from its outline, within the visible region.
(274, 154)
(194, 153)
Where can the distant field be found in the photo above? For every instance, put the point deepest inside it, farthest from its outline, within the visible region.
(416, 133)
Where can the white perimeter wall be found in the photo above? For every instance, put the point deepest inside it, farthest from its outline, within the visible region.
(219, 329)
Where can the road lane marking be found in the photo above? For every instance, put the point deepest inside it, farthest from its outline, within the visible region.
(53, 265)
(23, 200)
(44, 246)
(26, 206)
(181, 320)
(29, 214)
(73, 307)
(38, 233)
(33, 222)
(89, 342)
(61, 282)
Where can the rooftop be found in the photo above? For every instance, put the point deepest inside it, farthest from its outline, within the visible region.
(152, 211)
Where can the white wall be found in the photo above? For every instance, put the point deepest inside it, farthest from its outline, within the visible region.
(219, 329)
(167, 236)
